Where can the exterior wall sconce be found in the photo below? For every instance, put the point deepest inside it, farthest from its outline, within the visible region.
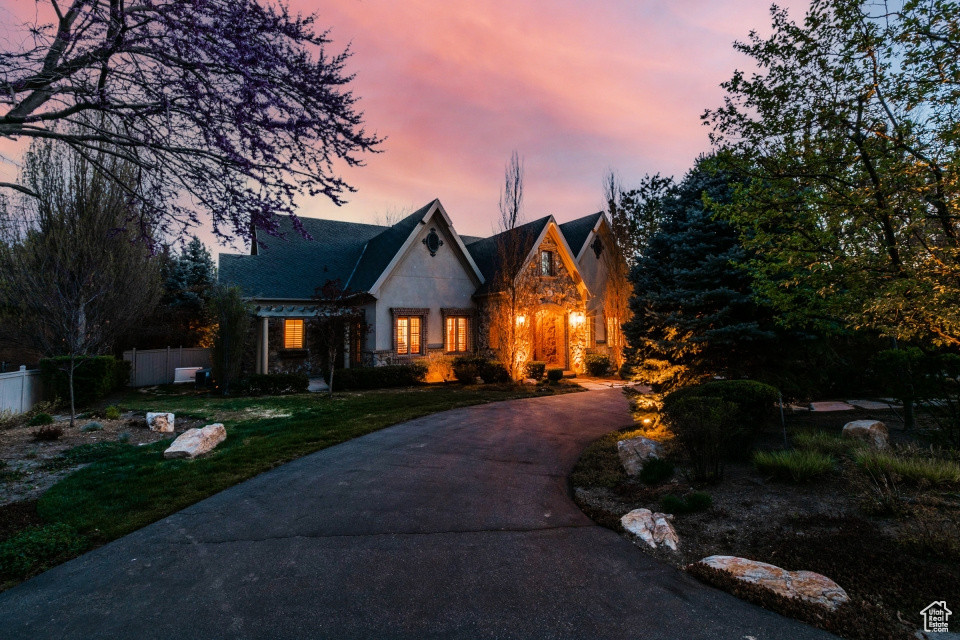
(521, 320)
(576, 319)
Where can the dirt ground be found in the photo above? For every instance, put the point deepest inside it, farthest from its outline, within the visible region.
(819, 526)
(29, 467)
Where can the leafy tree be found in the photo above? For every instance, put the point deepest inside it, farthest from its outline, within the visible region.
(849, 131)
(188, 280)
(70, 274)
(692, 303)
(635, 213)
(233, 102)
(232, 315)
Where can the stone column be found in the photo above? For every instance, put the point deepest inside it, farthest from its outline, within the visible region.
(265, 345)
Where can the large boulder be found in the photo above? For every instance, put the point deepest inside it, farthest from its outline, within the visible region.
(160, 422)
(653, 528)
(196, 442)
(635, 452)
(806, 585)
(870, 431)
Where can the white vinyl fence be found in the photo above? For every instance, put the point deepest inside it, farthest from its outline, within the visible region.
(157, 366)
(20, 390)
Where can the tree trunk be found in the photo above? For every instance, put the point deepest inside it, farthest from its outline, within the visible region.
(73, 406)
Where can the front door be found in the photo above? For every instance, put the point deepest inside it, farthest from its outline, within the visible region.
(550, 339)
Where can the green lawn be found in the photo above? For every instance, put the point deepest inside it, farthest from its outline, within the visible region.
(127, 487)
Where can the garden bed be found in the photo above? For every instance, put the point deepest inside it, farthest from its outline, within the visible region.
(892, 565)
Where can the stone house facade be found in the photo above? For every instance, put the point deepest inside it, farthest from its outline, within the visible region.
(423, 291)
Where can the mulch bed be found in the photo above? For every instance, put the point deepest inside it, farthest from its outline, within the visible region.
(817, 527)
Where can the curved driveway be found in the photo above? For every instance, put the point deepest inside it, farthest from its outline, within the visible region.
(458, 524)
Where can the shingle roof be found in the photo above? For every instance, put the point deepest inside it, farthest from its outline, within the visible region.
(577, 231)
(381, 250)
(484, 251)
(295, 267)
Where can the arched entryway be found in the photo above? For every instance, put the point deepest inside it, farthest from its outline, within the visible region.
(550, 336)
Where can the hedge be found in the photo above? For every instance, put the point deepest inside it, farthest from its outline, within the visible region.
(598, 365)
(467, 369)
(536, 369)
(93, 378)
(275, 384)
(397, 375)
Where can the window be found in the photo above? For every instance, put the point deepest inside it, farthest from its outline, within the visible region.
(293, 334)
(546, 263)
(456, 335)
(408, 335)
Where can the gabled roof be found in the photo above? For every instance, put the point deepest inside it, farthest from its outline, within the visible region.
(485, 250)
(576, 232)
(380, 251)
(360, 255)
(292, 268)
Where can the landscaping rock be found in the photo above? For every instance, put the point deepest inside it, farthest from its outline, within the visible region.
(196, 442)
(871, 431)
(806, 585)
(160, 422)
(653, 528)
(635, 452)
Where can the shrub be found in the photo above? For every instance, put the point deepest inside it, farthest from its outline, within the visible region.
(598, 365)
(277, 384)
(626, 371)
(554, 375)
(708, 431)
(655, 471)
(535, 369)
(124, 437)
(494, 372)
(466, 369)
(37, 548)
(691, 503)
(40, 419)
(93, 378)
(914, 469)
(754, 403)
(48, 433)
(91, 426)
(398, 375)
(796, 466)
(112, 412)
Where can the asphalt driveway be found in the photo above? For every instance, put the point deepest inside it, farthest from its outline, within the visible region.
(458, 524)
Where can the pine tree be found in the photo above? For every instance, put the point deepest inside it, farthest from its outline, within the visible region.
(693, 308)
(188, 280)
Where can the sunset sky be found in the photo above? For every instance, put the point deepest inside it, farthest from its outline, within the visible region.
(576, 87)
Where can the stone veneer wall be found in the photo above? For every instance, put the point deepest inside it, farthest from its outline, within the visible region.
(559, 290)
(280, 360)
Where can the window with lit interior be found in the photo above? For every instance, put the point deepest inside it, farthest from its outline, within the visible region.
(408, 335)
(546, 263)
(293, 334)
(457, 334)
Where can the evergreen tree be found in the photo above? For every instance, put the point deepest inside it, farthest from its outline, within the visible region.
(188, 280)
(693, 308)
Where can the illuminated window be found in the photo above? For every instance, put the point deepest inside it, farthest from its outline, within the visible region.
(456, 335)
(408, 335)
(546, 263)
(591, 332)
(293, 334)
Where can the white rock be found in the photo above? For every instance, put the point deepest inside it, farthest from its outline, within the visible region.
(635, 452)
(871, 431)
(653, 528)
(805, 585)
(196, 442)
(160, 422)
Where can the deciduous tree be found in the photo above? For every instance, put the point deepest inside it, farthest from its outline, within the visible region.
(70, 273)
(235, 104)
